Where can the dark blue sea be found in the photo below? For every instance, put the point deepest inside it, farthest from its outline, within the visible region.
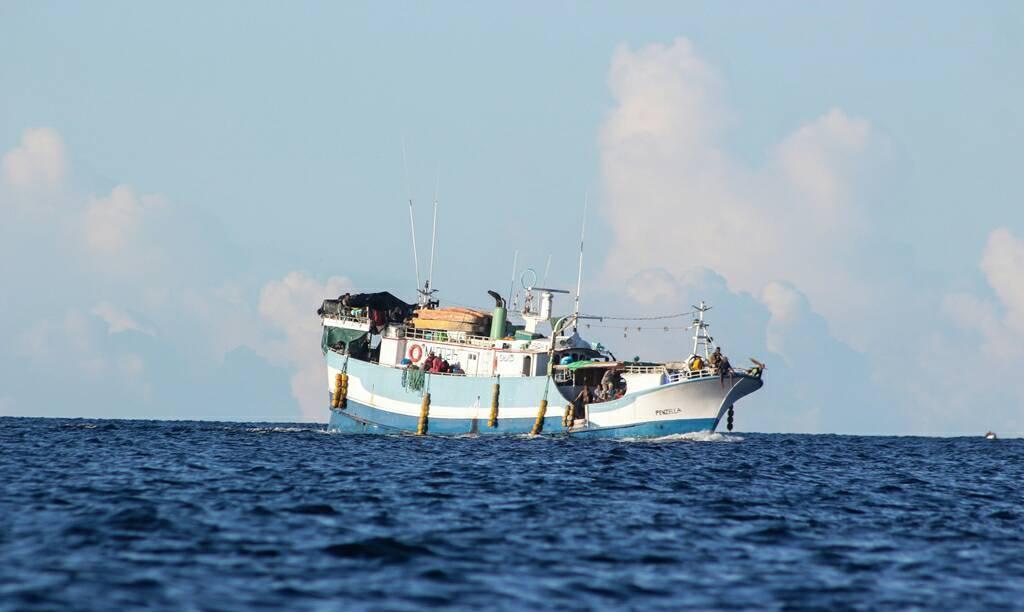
(107, 515)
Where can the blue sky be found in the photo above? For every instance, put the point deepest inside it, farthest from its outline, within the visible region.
(181, 184)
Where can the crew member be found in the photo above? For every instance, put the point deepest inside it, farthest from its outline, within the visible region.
(716, 358)
(724, 369)
(579, 404)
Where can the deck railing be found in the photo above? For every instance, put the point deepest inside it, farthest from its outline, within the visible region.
(437, 335)
(347, 317)
(674, 374)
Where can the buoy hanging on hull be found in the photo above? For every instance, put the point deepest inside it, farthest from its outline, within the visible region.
(340, 391)
(421, 428)
(493, 421)
(728, 421)
(538, 426)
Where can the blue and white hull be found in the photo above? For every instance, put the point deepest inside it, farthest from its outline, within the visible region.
(380, 401)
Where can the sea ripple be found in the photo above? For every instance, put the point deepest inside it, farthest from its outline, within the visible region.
(110, 514)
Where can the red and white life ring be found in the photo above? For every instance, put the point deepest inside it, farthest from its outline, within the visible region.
(415, 352)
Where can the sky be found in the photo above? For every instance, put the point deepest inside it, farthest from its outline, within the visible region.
(180, 186)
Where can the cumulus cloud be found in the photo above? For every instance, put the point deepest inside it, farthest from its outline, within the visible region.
(1002, 264)
(145, 266)
(778, 248)
(113, 224)
(39, 160)
(110, 222)
(677, 200)
(76, 339)
(1000, 322)
(787, 306)
(289, 306)
(118, 320)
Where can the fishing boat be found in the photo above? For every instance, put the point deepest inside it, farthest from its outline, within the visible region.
(399, 368)
(511, 379)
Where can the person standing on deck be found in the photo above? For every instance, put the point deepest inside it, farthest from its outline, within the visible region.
(724, 369)
(579, 405)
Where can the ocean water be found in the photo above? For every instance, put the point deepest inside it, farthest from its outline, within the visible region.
(109, 515)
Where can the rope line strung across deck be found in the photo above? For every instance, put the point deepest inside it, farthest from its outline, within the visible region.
(664, 328)
(678, 315)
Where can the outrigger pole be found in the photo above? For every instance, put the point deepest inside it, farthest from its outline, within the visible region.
(412, 220)
(579, 275)
(512, 285)
(433, 234)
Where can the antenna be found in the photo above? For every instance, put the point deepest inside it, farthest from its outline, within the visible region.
(433, 233)
(412, 221)
(547, 268)
(515, 265)
(579, 276)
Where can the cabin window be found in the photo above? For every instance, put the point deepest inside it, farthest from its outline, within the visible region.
(527, 362)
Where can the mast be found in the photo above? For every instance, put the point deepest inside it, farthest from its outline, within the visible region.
(700, 331)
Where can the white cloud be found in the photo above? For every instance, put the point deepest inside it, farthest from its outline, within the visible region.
(118, 320)
(38, 161)
(289, 306)
(676, 200)
(110, 224)
(71, 339)
(787, 306)
(652, 286)
(1000, 322)
(1003, 264)
(817, 159)
(124, 252)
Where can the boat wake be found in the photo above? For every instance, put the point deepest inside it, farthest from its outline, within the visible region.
(286, 429)
(697, 436)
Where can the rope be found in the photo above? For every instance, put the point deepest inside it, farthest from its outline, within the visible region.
(653, 318)
(664, 328)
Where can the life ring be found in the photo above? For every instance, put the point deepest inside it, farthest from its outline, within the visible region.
(415, 353)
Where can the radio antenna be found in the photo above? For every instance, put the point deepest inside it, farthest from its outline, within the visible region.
(433, 232)
(579, 275)
(547, 268)
(511, 286)
(412, 220)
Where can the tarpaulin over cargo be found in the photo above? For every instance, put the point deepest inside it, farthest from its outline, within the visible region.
(339, 338)
(379, 301)
(383, 302)
(579, 365)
